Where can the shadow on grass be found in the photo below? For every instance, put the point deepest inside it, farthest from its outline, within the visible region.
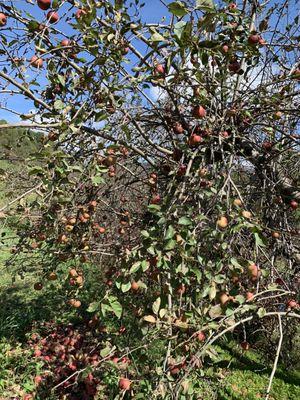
(244, 362)
(21, 306)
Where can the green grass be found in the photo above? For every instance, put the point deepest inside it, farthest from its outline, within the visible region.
(247, 376)
(17, 370)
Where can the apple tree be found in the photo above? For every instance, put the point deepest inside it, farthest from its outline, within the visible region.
(169, 160)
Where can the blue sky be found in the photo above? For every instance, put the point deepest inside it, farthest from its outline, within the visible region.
(153, 11)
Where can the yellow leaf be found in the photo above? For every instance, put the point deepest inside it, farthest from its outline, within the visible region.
(150, 318)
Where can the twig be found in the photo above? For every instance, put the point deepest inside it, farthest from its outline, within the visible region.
(276, 358)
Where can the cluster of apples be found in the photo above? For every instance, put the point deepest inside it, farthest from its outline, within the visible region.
(110, 158)
(223, 222)
(153, 183)
(85, 213)
(52, 17)
(65, 350)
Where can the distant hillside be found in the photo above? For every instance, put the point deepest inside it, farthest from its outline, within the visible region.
(17, 143)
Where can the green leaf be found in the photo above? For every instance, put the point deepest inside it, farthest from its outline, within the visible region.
(184, 221)
(32, 25)
(145, 265)
(36, 171)
(145, 234)
(153, 208)
(240, 299)
(104, 352)
(104, 308)
(259, 240)
(151, 250)
(116, 308)
(163, 312)
(61, 80)
(135, 267)
(212, 292)
(204, 4)
(170, 245)
(149, 318)
(97, 180)
(169, 233)
(235, 263)
(219, 278)
(215, 311)
(157, 37)
(229, 312)
(59, 105)
(198, 274)
(178, 8)
(261, 312)
(93, 307)
(179, 28)
(156, 305)
(125, 287)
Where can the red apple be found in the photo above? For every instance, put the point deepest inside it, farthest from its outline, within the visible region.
(225, 134)
(178, 128)
(38, 379)
(181, 170)
(156, 199)
(234, 66)
(153, 176)
(38, 286)
(80, 13)
(44, 4)
(134, 286)
(249, 296)
(199, 112)
(275, 235)
(253, 271)
(201, 336)
(181, 289)
(232, 6)
(175, 370)
(52, 17)
(65, 43)
(245, 346)
(294, 204)
(292, 304)
(27, 397)
(195, 140)
(253, 39)
(36, 62)
(3, 19)
(279, 281)
(267, 146)
(37, 352)
(159, 69)
(124, 384)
